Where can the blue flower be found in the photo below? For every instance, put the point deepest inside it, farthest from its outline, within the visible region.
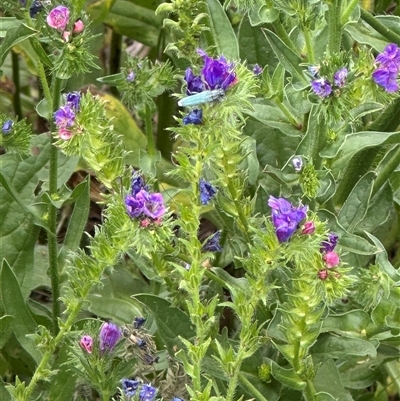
(286, 217)
(386, 78)
(134, 206)
(131, 77)
(194, 117)
(194, 83)
(73, 100)
(330, 244)
(7, 127)
(129, 387)
(137, 183)
(207, 192)
(297, 163)
(138, 322)
(212, 244)
(147, 393)
(321, 87)
(257, 70)
(389, 59)
(64, 117)
(340, 76)
(109, 336)
(217, 73)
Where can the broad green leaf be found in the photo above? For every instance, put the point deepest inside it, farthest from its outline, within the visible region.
(252, 46)
(7, 23)
(286, 376)
(114, 298)
(130, 19)
(364, 34)
(172, 323)
(14, 305)
(4, 394)
(348, 324)
(290, 60)
(5, 329)
(328, 346)
(78, 219)
(19, 232)
(328, 373)
(223, 34)
(356, 204)
(14, 36)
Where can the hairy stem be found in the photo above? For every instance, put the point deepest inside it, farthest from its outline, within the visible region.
(334, 26)
(348, 10)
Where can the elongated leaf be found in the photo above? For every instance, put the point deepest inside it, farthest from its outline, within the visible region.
(14, 36)
(224, 36)
(171, 322)
(290, 60)
(356, 205)
(4, 394)
(7, 23)
(286, 376)
(78, 219)
(347, 324)
(5, 329)
(14, 305)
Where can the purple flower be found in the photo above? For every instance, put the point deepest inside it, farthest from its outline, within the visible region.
(321, 87)
(207, 192)
(286, 217)
(212, 244)
(194, 83)
(147, 393)
(153, 204)
(138, 322)
(194, 117)
(58, 18)
(86, 343)
(257, 70)
(297, 163)
(217, 73)
(131, 77)
(7, 127)
(386, 79)
(109, 336)
(64, 116)
(129, 387)
(389, 59)
(340, 76)
(330, 244)
(73, 100)
(137, 183)
(134, 206)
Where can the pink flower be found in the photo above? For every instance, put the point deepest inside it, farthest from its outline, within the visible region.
(78, 27)
(323, 274)
(308, 227)
(331, 259)
(86, 343)
(66, 35)
(65, 134)
(58, 18)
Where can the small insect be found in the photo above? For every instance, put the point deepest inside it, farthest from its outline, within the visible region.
(201, 98)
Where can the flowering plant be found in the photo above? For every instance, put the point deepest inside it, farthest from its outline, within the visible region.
(202, 204)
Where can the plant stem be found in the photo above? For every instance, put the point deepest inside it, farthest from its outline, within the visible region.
(149, 132)
(250, 388)
(52, 238)
(16, 80)
(386, 171)
(292, 119)
(334, 26)
(347, 11)
(45, 85)
(309, 391)
(309, 46)
(379, 27)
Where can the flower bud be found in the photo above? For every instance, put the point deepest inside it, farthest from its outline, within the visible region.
(86, 343)
(131, 77)
(297, 163)
(58, 18)
(109, 336)
(7, 127)
(66, 35)
(323, 274)
(308, 227)
(79, 26)
(65, 134)
(331, 259)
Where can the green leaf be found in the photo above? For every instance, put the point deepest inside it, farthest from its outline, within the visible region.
(129, 19)
(5, 329)
(286, 376)
(290, 60)
(14, 304)
(78, 219)
(4, 394)
(7, 23)
(347, 324)
(356, 205)
(328, 380)
(172, 323)
(19, 232)
(14, 35)
(224, 36)
(262, 13)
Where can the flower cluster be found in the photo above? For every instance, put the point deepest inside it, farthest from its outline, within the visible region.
(109, 337)
(207, 192)
(331, 258)
(323, 88)
(143, 205)
(58, 18)
(146, 391)
(389, 67)
(65, 116)
(286, 217)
